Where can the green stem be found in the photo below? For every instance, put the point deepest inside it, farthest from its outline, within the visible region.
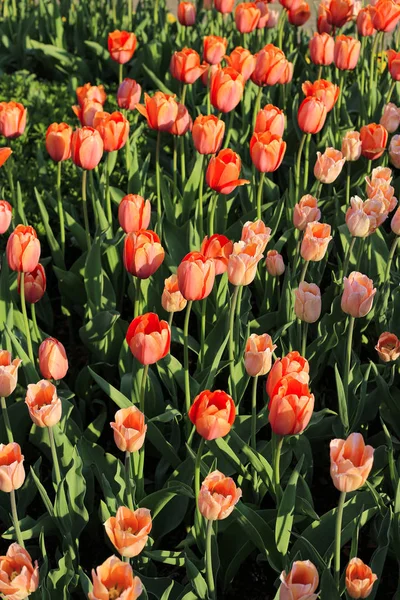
(208, 91)
(200, 205)
(10, 175)
(306, 161)
(183, 161)
(136, 306)
(371, 72)
(175, 168)
(143, 387)
(121, 73)
(254, 413)
(338, 536)
(128, 153)
(304, 340)
(298, 166)
(213, 208)
(171, 316)
(15, 519)
(85, 210)
(348, 255)
(209, 569)
(319, 72)
(390, 257)
(348, 182)
(6, 420)
(34, 321)
(60, 209)
(231, 342)
(107, 191)
(229, 129)
(140, 482)
(277, 476)
(26, 322)
(158, 183)
(257, 106)
(128, 483)
(186, 356)
(93, 198)
(392, 86)
(129, 15)
(304, 271)
(197, 473)
(155, 14)
(54, 456)
(281, 27)
(350, 331)
(259, 194)
(183, 94)
(203, 328)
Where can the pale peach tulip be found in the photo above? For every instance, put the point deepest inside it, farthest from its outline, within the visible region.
(218, 496)
(351, 462)
(351, 146)
(390, 118)
(307, 306)
(8, 373)
(172, 299)
(258, 354)
(274, 263)
(358, 294)
(129, 530)
(329, 165)
(315, 241)
(300, 583)
(129, 429)
(242, 263)
(12, 472)
(45, 408)
(388, 347)
(19, 576)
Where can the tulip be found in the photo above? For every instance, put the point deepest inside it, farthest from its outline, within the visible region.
(329, 165)
(385, 15)
(394, 64)
(339, 12)
(214, 48)
(243, 61)
(45, 408)
(267, 151)
(226, 89)
(129, 530)
(224, 6)
(271, 119)
(315, 241)
(213, 414)
(306, 211)
(291, 364)
(357, 220)
(53, 361)
(115, 577)
(12, 472)
(388, 347)
(307, 306)
(172, 299)
(23, 249)
(223, 171)
(324, 90)
(299, 15)
(247, 16)
(365, 26)
(321, 47)
(218, 496)
(311, 115)
(271, 63)
(358, 295)
(148, 338)
(300, 583)
(273, 18)
(19, 576)
(196, 275)
(208, 132)
(121, 46)
(287, 74)
(186, 14)
(87, 112)
(347, 52)
(128, 94)
(143, 253)
(86, 148)
(359, 579)
(258, 354)
(113, 128)
(58, 141)
(394, 151)
(373, 140)
(160, 111)
(5, 216)
(219, 248)
(134, 213)
(351, 462)
(129, 429)
(323, 25)
(274, 263)
(351, 146)
(242, 263)
(12, 119)
(256, 232)
(395, 223)
(5, 154)
(34, 284)
(8, 373)
(185, 65)
(262, 6)
(183, 122)
(91, 92)
(291, 408)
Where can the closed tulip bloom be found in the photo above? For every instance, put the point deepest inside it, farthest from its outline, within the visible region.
(45, 408)
(214, 48)
(121, 46)
(143, 253)
(86, 148)
(347, 52)
(287, 74)
(53, 361)
(274, 263)
(311, 115)
(91, 92)
(5, 154)
(172, 299)
(196, 276)
(134, 213)
(115, 577)
(388, 347)
(321, 46)
(34, 284)
(323, 25)
(300, 583)
(58, 141)
(357, 219)
(291, 408)
(219, 248)
(23, 249)
(291, 364)
(351, 146)
(218, 496)
(315, 241)
(185, 65)
(213, 414)
(8, 373)
(328, 165)
(358, 295)
(129, 530)
(19, 576)
(160, 111)
(224, 6)
(273, 18)
(390, 118)
(256, 231)
(186, 14)
(307, 305)
(267, 151)
(299, 15)
(129, 93)
(242, 263)
(183, 122)
(226, 89)
(270, 65)
(351, 462)
(394, 64)
(87, 112)
(326, 91)
(5, 216)
(258, 354)
(247, 16)
(148, 338)
(271, 119)
(385, 15)
(365, 26)
(243, 61)
(12, 119)
(394, 151)
(262, 6)
(208, 133)
(223, 172)
(359, 579)
(12, 472)
(373, 140)
(395, 222)
(306, 211)
(113, 128)
(129, 429)
(339, 12)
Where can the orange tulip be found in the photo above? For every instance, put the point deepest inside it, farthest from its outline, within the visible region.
(23, 249)
(307, 305)
(113, 128)
(226, 89)
(129, 429)
(5, 154)
(394, 64)
(291, 364)
(58, 141)
(365, 26)
(315, 241)
(258, 354)
(300, 583)
(270, 65)
(134, 213)
(242, 263)
(19, 576)
(12, 472)
(324, 90)
(287, 74)
(388, 347)
(390, 118)
(385, 15)
(299, 15)
(143, 253)
(148, 338)
(224, 6)
(185, 65)
(323, 25)
(87, 112)
(86, 148)
(129, 93)
(12, 119)
(267, 151)
(247, 16)
(183, 122)
(347, 52)
(358, 294)
(196, 276)
(243, 61)
(306, 211)
(218, 496)
(172, 299)
(262, 6)
(214, 48)
(223, 171)
(311, 115)
(5, 216)
(339, 12)
(208, 132)
(207, 75)
(53, 361)
(186, 13)
(321, 47)
(91, 92)
(291, 408)
(213, 414)
(351, 146)
(257, 232)
(8, 373)
(34, 284)
(45, 408)
(351, 462)
(274, 263)
(129, 530)
(271, 119)
(115, 577)
(219, 248)
(328, 165)
(160, 111)
(359, 579)
(121, 46)
(373, 140)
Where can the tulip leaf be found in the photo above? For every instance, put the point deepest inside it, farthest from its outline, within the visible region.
(54, 246)
(342, 400)
(328, 586)
(378, 559)
(284, 520)
(120, 400)
(197, 580)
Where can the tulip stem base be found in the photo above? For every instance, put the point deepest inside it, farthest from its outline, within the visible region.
(259, 194)
(304, 271)
(120, 73)
(26, 322)
(60, 209)
(136, 306)
(186, 357)
(253, 440)
(213, 208)
(209, 568)
(347, 366)
(15, 519)
(128, 483)
(85, 210)
(54, 456)
(232, 386)
(197, 473)
(140, 482)
(338, 536)
(6, 419)
(304, 340)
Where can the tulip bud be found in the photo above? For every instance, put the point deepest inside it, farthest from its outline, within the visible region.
(53, 362)
(160, 111)
(129, 93)
(267, 151)
(129, 429)
(86, 148)
(34, 284)
(357, 220)
(390, 118)
(307, 306)
(223, 172)
(262, 6)
(242, 61)
(185, 65)
(273, 18)
(12, 472)
(323, 90)
(385, 15)
(256, 231)
(121, 46)
(12, 119)
(218, 496)
(183, 122)
(45, 408)
(394, 64)
(87, 112)
(196, 276)
(365, 26)
(129, 531)
(213, 414)
(315, 241)
(322, 47)
(271, 119)
(359, 579)
(274, 263)
(91, 92)
(208, 132)
(311, 115)
(329, 165)
(134, 213)
(247, 16)
(351, 146)
(58, 141)
(186, 14)
(258, 354)
(214, 48)
(290, 364)
(23, 249)
(351, 462)
(300, 14)
(226, 89)
(242, 263)
(358, 295)
(291, 408)
(148, 338)
(347, 52)
(143, 253)
(113, 128)
(172, 299)
(271, 64)
(306, 211)
(8, 373)
(301, 582)
(224, 6)
(5, 216)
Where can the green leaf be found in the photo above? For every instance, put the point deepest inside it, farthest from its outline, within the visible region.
(328, 586)
(54, 246)
(284, 521)
(343, 412)
(197, 580)
(112, 392)
(256, 529)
